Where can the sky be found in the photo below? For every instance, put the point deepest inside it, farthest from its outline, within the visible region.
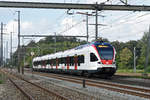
(120, 25)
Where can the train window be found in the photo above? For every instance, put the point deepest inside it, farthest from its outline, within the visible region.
(79, 60)
(65, 61)
(34, 63)
(71, 61)
(62, 60)
(54, 62)
(82, 58)
(37, 63)
(46, 62)
(93, 57)
(42, 63)
(51, 62)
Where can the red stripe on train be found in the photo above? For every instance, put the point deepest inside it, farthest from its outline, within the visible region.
(107, 62)
(68, 63)
(76, 61)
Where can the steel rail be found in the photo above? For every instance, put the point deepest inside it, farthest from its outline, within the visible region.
(113, 84)
(22, 90)
(53, 93)
(108, 83)
(105, 86)
(18, 87)
(57, 95)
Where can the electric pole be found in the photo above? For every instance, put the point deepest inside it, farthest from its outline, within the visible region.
(96, 23)
(87, 21)
(55, 42)
(134, 59)
(6, 57)
(11, 59)
(4, 49)
(18, 41)
(147, 53)
(1, 60)
(87, 28)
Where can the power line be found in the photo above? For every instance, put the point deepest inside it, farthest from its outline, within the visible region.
(71, 27)
(50, 36)
(125, 21)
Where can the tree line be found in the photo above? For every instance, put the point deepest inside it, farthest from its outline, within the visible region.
(124, 56)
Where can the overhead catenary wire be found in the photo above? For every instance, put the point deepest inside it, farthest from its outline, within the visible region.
(125, 21)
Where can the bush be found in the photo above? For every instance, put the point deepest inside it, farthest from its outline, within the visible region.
(140, 67)
(0, 78)
(148, 69)
(1, 82)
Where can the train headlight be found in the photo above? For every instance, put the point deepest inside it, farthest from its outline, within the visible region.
(114, 62)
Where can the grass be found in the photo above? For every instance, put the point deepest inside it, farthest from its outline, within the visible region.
(145, 77)
(1, 78)
(129, 71)
(1, 81)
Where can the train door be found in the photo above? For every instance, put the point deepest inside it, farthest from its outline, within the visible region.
(93, 60)
(68, 62)
(56, 63)
(51, 64)
(75, 61)
(44, 64)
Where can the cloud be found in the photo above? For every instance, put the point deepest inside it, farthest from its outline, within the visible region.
(70, 26)
(121, 28)
(26, 25)
(11, 26)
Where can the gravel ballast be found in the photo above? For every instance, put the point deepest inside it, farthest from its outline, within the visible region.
(70, 90)
(99, 93)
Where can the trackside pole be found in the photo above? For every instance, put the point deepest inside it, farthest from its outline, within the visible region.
(147, 54)
(84, 83)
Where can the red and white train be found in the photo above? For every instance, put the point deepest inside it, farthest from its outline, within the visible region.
(93, 58)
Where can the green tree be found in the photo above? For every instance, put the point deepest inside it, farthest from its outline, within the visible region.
(143, 44)
(125, 57)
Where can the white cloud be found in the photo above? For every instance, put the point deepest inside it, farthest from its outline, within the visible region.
(26, 25)
(128, 28)
(73, 26)
(11, 27)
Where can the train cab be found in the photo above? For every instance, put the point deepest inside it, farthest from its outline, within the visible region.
(105, 55)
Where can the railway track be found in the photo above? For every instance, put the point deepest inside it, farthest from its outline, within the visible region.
(126, 89)
(31, 90)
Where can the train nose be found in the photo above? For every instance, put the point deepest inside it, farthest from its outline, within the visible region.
(106, 70)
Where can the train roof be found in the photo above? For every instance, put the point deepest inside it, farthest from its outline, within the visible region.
(93, 43)
(68, 52)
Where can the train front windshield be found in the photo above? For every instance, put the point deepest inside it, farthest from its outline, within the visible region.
(105, 52)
